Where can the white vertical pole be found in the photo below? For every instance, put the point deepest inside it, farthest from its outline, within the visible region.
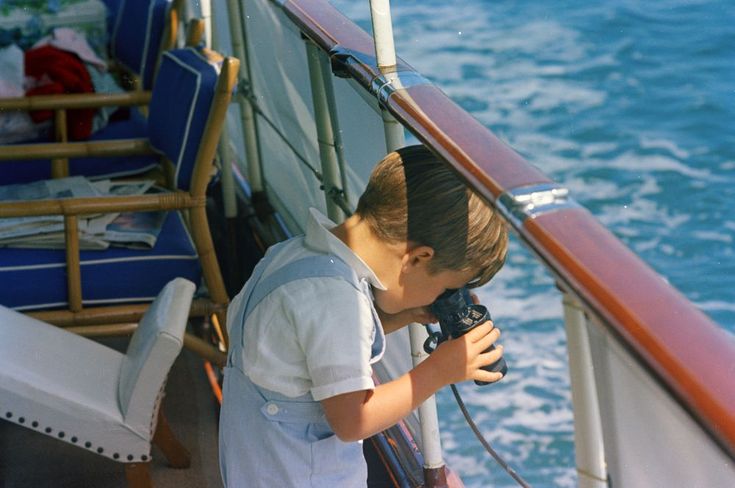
(225, 150)
(325, 134)
(385, 53)
(395, 138)
(336, 131)
(588, 441)
(247, 113)
(205, 7)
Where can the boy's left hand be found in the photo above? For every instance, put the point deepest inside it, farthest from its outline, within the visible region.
(394, 321)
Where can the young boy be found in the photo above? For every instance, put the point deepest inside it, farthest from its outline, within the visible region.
(298, 390)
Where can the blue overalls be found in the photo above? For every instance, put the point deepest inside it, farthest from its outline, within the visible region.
(268, 439)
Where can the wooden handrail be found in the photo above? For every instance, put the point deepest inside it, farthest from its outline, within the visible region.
(666, 332)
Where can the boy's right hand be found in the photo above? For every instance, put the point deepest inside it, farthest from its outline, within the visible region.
(461, 359)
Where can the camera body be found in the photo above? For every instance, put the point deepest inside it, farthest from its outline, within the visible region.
(457, 315)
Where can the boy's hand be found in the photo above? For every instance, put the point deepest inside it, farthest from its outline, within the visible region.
(462, 358)
(394, 321)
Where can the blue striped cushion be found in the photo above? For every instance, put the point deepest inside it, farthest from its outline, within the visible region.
(35, 279)
(136, 37)
(93, 167)
(180, 103)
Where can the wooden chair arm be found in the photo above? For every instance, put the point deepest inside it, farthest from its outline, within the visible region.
(76, 100)
(95, 205)
(50, 150)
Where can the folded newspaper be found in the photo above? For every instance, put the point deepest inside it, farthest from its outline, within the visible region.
(128, 229)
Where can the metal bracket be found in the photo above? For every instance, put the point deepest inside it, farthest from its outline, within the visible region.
(530, 201)
(342, 58)
(388, 83)
(382, 86)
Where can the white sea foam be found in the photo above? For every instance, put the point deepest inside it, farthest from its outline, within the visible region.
(584, 189)
(716, 306)
(711, 235)
(669, 146)
(641, 210)
(633, 161)
(594, 149)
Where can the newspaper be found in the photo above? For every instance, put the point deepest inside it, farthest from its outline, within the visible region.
(73, 187)
(139, 230)
(136, 229)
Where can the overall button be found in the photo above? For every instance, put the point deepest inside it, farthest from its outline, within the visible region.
(271, 409)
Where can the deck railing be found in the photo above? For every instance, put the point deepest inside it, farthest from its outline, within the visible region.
(608, 289)
(689, 354)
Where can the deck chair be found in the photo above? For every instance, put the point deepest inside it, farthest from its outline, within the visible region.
(91, 396)
(187, 110)
(143, 30)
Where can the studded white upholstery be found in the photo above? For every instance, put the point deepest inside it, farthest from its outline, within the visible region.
(84, 393)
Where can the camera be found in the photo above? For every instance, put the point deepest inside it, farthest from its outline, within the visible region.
(457, 315)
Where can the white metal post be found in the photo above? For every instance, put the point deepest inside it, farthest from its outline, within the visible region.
(385, 53)
(325, 135)
(205, 7)
(588, 441)
(334, 118)
(395, 138)
(226, 154)
(247, 113)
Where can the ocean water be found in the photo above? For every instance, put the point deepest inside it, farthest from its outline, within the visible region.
(630, 105)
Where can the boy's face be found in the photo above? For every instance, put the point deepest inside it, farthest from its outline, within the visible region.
(415, 286)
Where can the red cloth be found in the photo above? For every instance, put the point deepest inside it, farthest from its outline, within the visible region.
(58, 71)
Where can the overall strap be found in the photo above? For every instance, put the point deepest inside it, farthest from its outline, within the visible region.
(258, 287)
(236, 330)
(321, 266)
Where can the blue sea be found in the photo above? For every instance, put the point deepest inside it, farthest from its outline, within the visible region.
(629, 104)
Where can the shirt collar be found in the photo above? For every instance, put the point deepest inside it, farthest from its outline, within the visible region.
(319, 238)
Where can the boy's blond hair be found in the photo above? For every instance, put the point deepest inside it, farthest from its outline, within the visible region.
(414, 197)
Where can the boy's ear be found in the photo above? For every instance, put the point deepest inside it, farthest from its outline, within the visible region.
(418, 255)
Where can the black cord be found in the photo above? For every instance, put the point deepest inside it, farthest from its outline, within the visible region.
(485, 443)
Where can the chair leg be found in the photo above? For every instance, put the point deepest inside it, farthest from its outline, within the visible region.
(176, 454)
(138, 475)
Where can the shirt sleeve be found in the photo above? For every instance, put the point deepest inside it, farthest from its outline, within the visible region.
(335, 328)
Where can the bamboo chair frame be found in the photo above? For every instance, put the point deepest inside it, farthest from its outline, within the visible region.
(192, 202)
